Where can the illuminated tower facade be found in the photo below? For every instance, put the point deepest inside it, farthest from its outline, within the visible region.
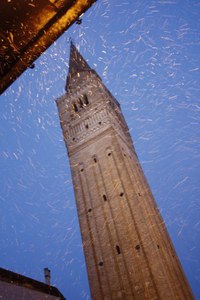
(128, 252)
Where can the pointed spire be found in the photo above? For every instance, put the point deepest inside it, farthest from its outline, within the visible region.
(76, 63)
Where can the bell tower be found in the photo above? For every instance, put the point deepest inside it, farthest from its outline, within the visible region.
(129, 254)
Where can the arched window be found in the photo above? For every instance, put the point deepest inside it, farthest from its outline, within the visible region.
(104, 198)
(118, 249)
(85, 100)
(74, 107)
(80, 103)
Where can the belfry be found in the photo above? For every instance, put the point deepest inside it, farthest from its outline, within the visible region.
(128, 251)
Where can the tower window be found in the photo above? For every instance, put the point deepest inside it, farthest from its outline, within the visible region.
(80, 102)
(104, 198)
(101, 263)
(95, 160)
(74, 107)
(99, 123)
(121, 194)
(111, 104)
(118, 249)
(89, 210)
(85, 100)
(108, 151)
(86, 126)
(81, 167)
(137, 247)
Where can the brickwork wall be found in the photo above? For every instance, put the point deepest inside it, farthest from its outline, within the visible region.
(128, 252)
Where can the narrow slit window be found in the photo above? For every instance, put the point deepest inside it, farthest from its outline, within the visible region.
(121, 194)
(86, 126)
(95, 160)
(104, 198)
(118, 249)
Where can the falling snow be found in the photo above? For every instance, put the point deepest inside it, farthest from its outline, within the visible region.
(147, 53)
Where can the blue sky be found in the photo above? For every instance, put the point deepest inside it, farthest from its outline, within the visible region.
(147, 53)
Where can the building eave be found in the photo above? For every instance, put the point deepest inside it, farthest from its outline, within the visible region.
(29, 283)
(44, 22)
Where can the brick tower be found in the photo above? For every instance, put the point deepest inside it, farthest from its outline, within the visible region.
(128, 251)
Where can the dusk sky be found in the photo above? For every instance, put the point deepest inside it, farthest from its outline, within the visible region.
(147, 54)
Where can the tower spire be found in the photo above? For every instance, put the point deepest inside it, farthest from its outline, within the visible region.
(128, 251)
(77, 63)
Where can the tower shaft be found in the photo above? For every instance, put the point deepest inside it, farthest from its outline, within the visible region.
(128, 252)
